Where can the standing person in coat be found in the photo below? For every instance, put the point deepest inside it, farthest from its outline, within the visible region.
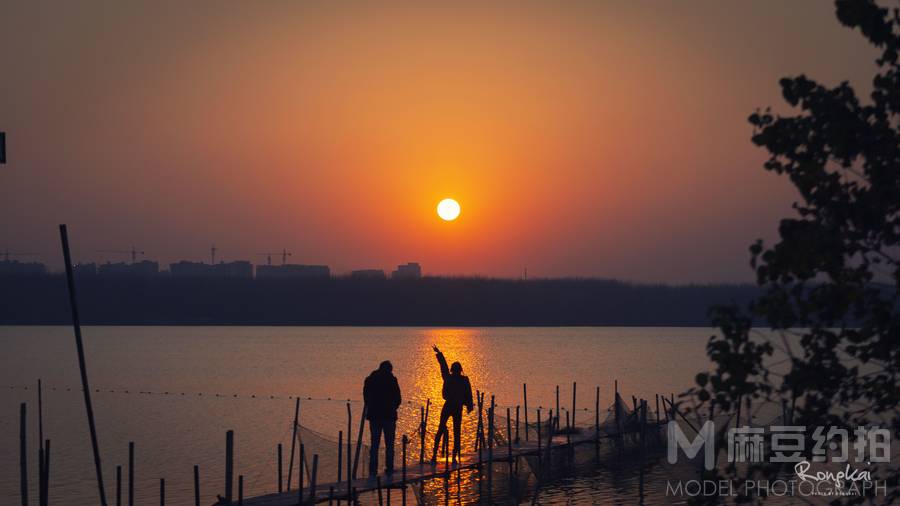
(381, 393)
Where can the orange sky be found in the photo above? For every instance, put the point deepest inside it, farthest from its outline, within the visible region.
(581, 138)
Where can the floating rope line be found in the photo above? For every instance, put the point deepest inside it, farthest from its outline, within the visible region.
(252, 396)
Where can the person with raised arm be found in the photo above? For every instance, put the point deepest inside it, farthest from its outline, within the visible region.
(457, 392)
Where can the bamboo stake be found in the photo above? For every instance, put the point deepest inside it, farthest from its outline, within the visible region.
(421, 435)
(280, 470)
(340, 465)
(240, 490)
(118, 485)
(131, 473)
(359, 436)
(405, 442)
(556, 420)
(162, 492)
(294, 442)
(349, 447)
(229, 466)
(525, 399)
(46, 484)
(41, 498)
(76, 325)
(312, 481)
(300, 465)
(517, 424)
(196, 485)
(23, 458)
(574, 389)
(509, 440)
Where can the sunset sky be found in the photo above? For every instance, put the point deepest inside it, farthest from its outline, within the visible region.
(580, 138)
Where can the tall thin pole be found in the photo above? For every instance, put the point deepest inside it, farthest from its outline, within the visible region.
(76, 325)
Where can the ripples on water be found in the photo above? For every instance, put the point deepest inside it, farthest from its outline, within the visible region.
(256, 369)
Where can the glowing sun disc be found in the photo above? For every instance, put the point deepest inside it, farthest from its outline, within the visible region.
(448, 209)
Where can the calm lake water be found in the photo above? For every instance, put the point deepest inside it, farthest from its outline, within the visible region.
(204, 381)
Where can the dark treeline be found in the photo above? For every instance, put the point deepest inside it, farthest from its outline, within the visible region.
(344, 301)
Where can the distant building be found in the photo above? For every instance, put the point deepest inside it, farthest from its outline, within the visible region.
(411, 270)
(368, 274)
(84, 270)
(292, 271)
(236, 269)
(185, 269)
(16, 268)
(142, 269)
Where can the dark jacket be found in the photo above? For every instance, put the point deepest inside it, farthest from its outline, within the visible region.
(457, 391)
(382, 395)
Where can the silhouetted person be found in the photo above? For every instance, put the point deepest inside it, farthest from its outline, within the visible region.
(457, 392)
(381, 393)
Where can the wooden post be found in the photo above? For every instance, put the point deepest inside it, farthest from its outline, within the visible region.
(616, 410)
(517, 424)
(556, 420)
(479, 434)
(118, 485)
(131, 473)
(300, 465)
(478, 423)
(509, 439)
(597, 415)
(359, 436)
(574, 389)
(196, 485)
(293, 442)
(312, 480)
(229, 466)
(490, 447)
(525, 399)
(538, 431)
(331, 495)
(41, 498)
(23, 458)
(349, 447)
(421, 435)
(657, 409)
(240, 490)
(340, 478)
(405, 442)
(162, 492)
(568, 429)
(280, 470)
(85, 386)
(46, 482)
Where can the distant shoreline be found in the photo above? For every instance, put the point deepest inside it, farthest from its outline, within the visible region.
(332, 302)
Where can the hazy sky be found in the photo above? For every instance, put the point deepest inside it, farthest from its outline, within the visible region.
(580, 138)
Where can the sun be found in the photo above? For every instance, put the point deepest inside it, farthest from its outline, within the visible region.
(448, 209)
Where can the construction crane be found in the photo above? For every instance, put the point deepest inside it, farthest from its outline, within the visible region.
(7, 254)
(284, 254)
(133, 252)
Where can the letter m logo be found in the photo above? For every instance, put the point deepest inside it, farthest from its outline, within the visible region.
(705, 439)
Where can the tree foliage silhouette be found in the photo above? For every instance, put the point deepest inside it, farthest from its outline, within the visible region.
(830, 283)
